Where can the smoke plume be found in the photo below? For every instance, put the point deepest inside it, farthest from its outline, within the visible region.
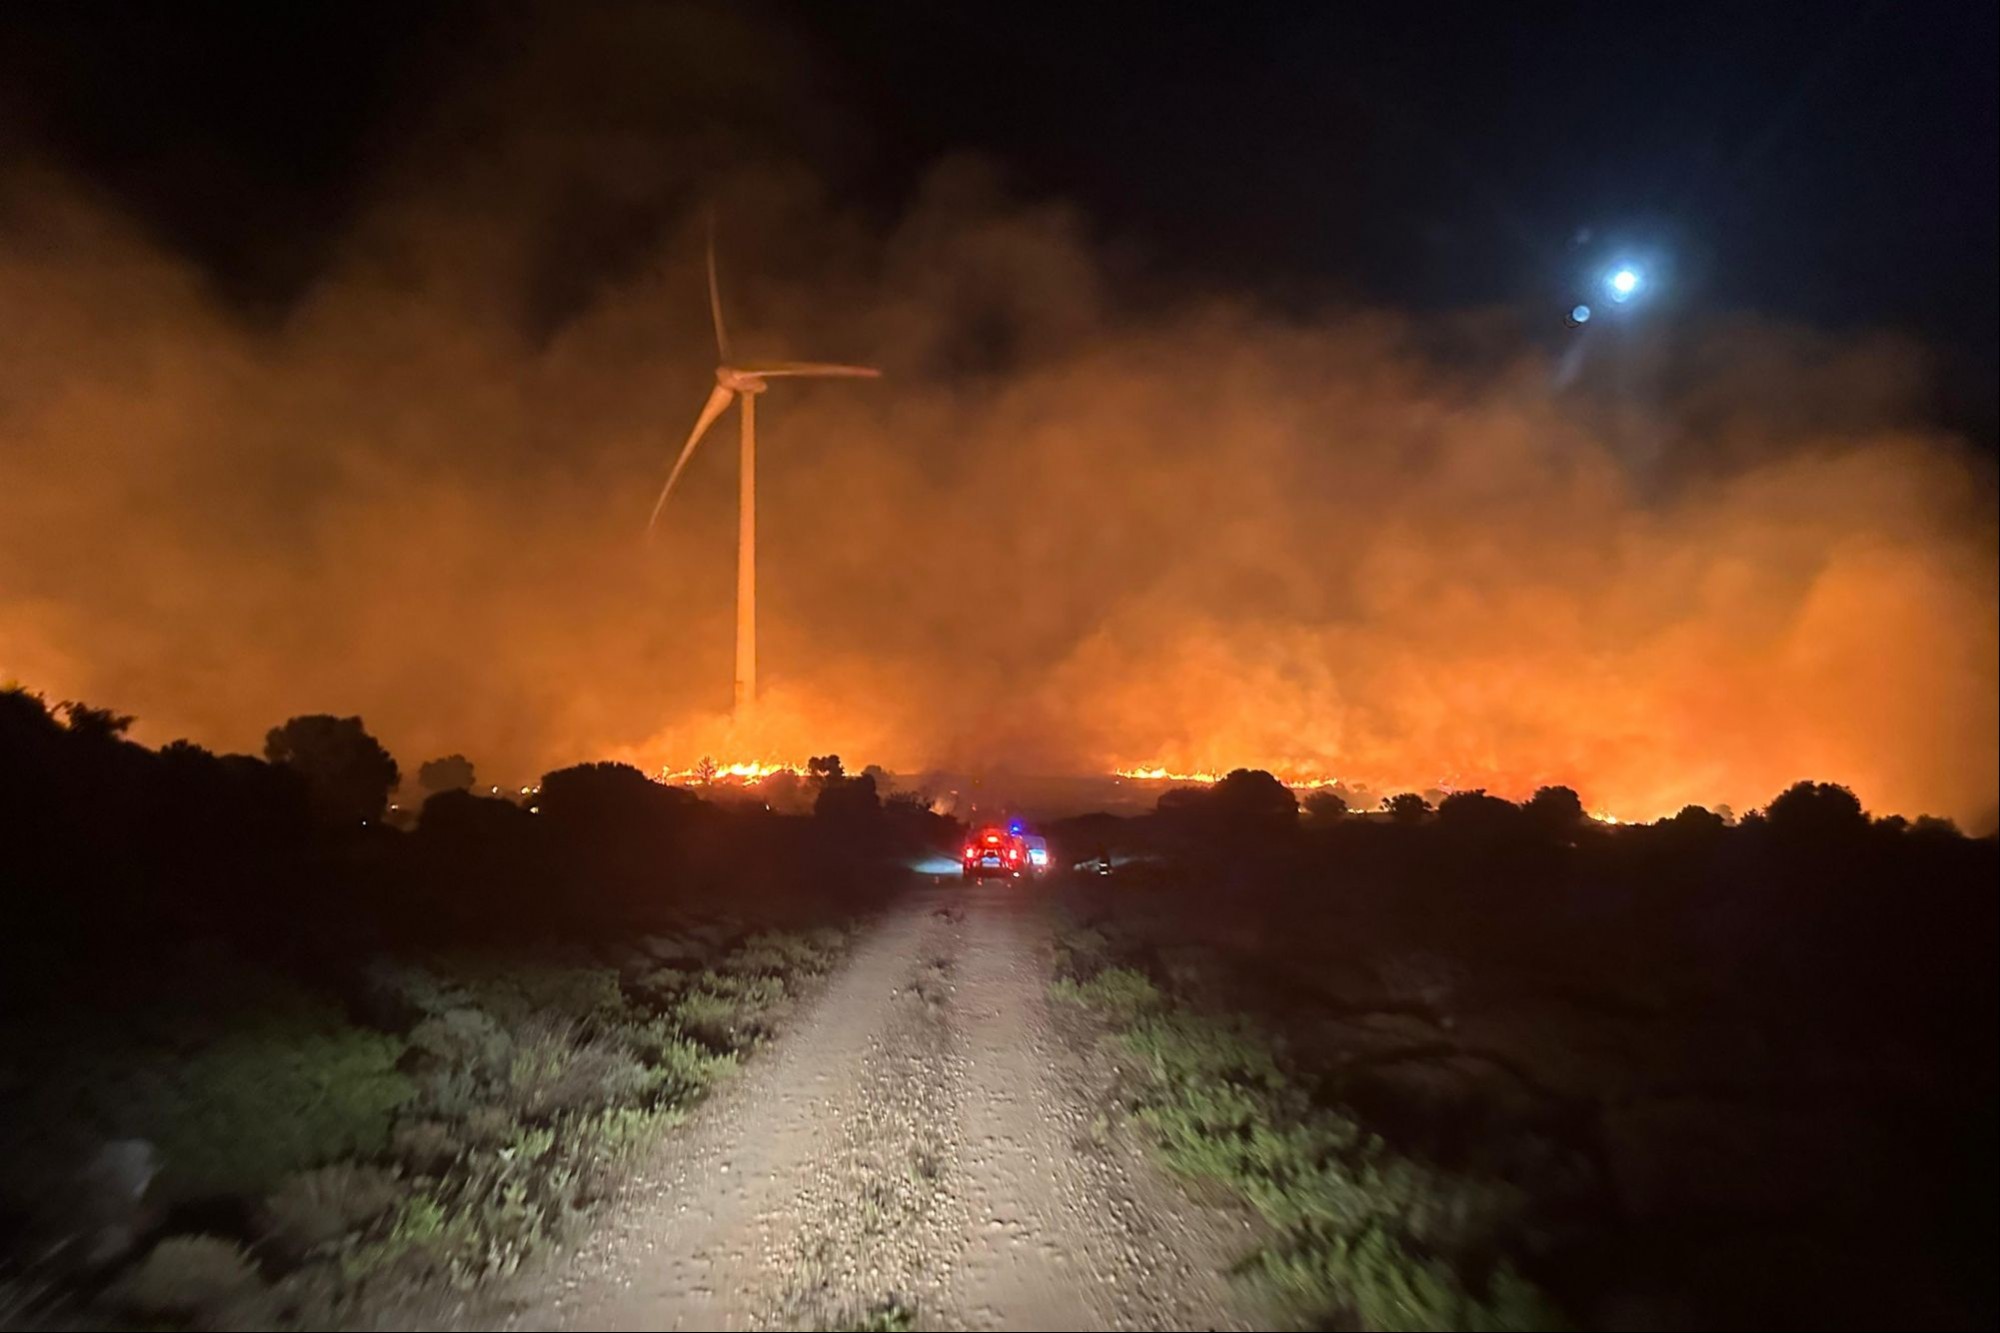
(1078, 526)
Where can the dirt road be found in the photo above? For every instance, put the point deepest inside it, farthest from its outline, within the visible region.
(917, 1149)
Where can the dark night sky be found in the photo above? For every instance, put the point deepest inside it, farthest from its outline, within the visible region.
(1834, 164)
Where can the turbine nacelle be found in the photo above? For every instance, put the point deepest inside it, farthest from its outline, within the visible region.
(752, 378)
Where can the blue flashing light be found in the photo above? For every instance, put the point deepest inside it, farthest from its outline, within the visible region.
(1623, 283)
(1580, 315)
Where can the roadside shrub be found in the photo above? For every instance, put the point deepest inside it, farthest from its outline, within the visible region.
(1386, 1288)
(200, 1279)
(681, 1068)
(728, 1013)
(426, 1146)
(1080, 950)
(461, 1038)
(659, 985)
(1364, 1234)
(515, 993)
(316, 1208)
(708, 1018)
(758, 958)
(753, 992)
(778, 952)
(1180, 1049)
(1121, 994)
(235, 1116)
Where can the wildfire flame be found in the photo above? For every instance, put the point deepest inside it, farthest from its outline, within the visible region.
(1296, 781)
(747, 772)
(1319, 782)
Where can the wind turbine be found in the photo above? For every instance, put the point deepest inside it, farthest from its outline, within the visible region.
(745, 380)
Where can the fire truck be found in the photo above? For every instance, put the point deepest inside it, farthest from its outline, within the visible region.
(1005, 849)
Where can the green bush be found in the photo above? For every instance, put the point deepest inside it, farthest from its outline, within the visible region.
(1363, 1233)
(754, 991)
(198, 1279)
(1119, 993)
(777, 953)
(682, 1067)
(514, 992)
(728, 1013)
(425, 1145)
(464, 1038)
(551, 1073)
(518, 1098)
(660, 984)
(316, 1208)
(1378, 1279)
(1080, 950)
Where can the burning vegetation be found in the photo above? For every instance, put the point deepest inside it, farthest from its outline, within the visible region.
(1087, 523)
(1221, 539)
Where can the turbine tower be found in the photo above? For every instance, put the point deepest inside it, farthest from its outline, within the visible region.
(745, 381)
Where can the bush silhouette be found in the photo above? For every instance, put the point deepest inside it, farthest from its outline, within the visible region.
(452, 772)
(1695, 819)
(1556, 811)
(1477, 812)
(606, 794)
(348, 775)
(1406, 807)
(1816, 811)
(847, 799)
(1250, 799)
(1325, 807)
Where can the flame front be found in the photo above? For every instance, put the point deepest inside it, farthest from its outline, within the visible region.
(747, 772)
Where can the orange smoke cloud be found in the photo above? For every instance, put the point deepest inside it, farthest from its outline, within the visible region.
(1061, 535)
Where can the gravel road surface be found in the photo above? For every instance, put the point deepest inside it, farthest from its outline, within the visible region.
(921, 1147)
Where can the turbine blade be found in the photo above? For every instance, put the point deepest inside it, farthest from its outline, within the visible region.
(807, 370)
(715, 300)
(718, 403)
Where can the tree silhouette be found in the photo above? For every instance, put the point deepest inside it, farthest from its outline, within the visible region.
(824, 768)
(847, 799)
(1695, 819)
(1325, 807)
(609, 795)
(1406, 807)
(95, 724)
(1556, 811)
(452, 772)
(348, 775)
(467, 821)
(1181, 800)
(1476, 812)
(1251, 800)
(1816, 812)
(1934, 826)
